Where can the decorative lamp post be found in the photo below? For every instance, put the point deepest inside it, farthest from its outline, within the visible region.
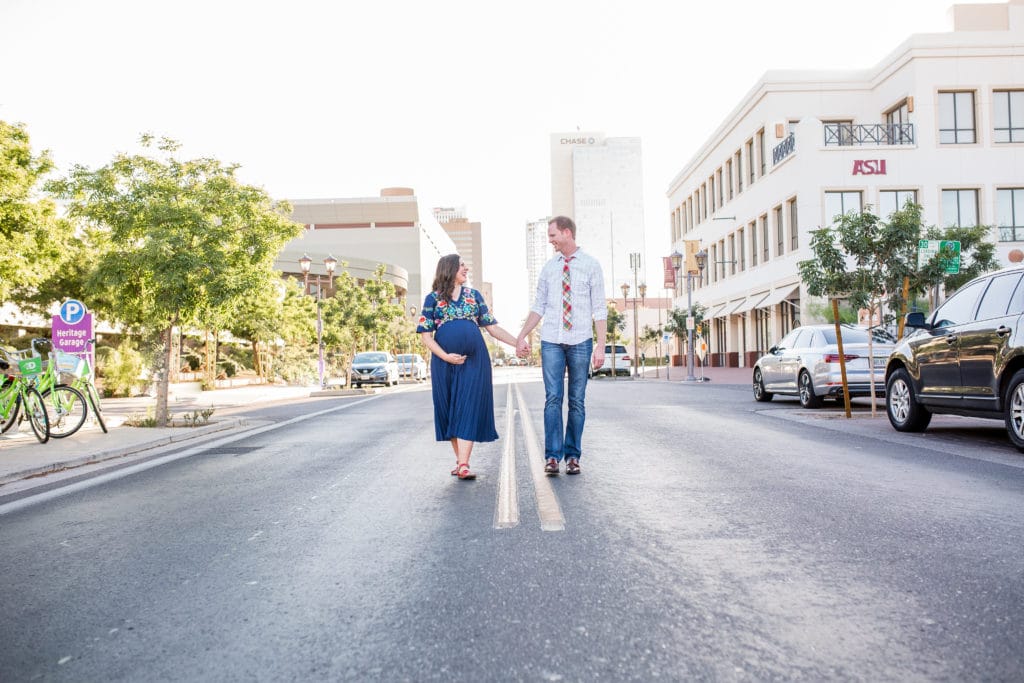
(625, 305)
(702, 259)
(643, 303)
(611, 335)
(677, 262)
(330, 263)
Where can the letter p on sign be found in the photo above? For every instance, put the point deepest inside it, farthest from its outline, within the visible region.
(72, 311)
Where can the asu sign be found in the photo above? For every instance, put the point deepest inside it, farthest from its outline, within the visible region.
(869, 167)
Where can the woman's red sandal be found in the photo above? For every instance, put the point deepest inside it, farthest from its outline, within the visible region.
(464, 473)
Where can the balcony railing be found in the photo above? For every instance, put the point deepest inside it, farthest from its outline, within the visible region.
(783, 149)
(849, 134)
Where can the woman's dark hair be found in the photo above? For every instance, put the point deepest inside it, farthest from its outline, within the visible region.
(444, 276)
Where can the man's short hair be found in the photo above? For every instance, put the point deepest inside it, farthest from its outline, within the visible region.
(564, 223)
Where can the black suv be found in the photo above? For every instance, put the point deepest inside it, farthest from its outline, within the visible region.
(966, 359)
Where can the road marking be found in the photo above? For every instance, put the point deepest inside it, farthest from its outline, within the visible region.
(506, 512)
(551, 518)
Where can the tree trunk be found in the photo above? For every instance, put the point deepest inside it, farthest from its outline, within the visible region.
(162, 384)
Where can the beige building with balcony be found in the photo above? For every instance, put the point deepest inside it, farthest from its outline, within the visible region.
(939, 121)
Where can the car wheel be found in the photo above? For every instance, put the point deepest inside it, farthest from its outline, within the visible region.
(357, 385)
(1014, 407)
(808, 399)
(760, 394)
(905, 413)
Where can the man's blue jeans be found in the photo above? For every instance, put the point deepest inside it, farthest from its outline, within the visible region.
(555, 360)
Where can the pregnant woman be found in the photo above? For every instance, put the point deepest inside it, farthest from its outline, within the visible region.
(460, 366)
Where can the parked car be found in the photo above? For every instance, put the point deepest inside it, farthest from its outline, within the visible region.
(967, 358)
(622, 362)
(413, 366)
(373, 367)
(806, 364)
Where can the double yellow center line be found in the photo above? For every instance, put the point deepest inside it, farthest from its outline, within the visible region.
(506, 513)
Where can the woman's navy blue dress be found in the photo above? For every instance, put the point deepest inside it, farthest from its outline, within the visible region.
(463, 394)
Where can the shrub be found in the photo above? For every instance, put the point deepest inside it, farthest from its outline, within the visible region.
(120, 369)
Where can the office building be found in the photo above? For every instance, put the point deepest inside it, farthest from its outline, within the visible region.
(364, 232)
(939, 121)
(598, 182)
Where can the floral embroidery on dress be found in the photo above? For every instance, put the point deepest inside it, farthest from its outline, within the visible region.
(470, 306)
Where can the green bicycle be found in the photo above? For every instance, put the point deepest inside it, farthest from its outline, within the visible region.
(66, 405)
(17, 392)
(71, 365)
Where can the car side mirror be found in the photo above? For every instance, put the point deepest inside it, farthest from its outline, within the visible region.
(915, 320)
(773, 350)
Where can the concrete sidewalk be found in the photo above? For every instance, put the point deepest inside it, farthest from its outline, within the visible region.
(712, 375)
(22, 456)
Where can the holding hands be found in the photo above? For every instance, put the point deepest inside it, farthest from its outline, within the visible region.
(522, 348)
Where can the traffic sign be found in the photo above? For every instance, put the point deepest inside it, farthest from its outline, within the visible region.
(948, 252)
(72, 311)
(665, 337)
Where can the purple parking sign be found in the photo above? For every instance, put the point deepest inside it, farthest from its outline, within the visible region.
(72, 330)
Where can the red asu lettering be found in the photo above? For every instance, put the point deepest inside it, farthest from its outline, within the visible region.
(869, 167)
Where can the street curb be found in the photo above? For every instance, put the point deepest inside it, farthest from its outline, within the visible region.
(188, 433)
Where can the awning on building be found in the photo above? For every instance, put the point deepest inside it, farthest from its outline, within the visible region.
(735, 306)
(717, 310)
(751, 302)
(778, 295)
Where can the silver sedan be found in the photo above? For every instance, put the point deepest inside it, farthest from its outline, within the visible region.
(806, 364)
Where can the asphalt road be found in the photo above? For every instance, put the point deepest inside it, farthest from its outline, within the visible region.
(708, 538)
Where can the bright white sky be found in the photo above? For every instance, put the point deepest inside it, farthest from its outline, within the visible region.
(454, 98)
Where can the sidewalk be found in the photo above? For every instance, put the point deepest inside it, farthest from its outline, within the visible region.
(23, 457)
(712, 375)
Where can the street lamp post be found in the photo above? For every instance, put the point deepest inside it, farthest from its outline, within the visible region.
(611, 336)
(677, 260)
(625, 304)
(642, 288)
(329, 265)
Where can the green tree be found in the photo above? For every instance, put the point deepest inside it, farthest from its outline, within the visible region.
(34, 240)
(375, 309)
(675, 322)
(175, 239)
(863, 259)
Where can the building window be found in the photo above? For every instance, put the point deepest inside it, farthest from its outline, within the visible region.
(890, 201)
(761, 151)
(839, 203)
(728, 179)
(742, 255)
(712, 263)
(794, 232)
(764, 238)
(780, 241)
(751, 165)
(752, 229)
(732, 254)
(739, 172)
(722, 261)
(1008, 112)
(956, 118)
(1010, 213)
(898, 115)
(838, 132)
(721, 189)
(960, 208)
(703, 201)
(898, 130)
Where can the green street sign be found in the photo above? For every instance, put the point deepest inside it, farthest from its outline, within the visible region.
(948, 252)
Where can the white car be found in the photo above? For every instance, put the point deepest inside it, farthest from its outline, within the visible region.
(413, 366)
(373, 367)
(623, 363)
